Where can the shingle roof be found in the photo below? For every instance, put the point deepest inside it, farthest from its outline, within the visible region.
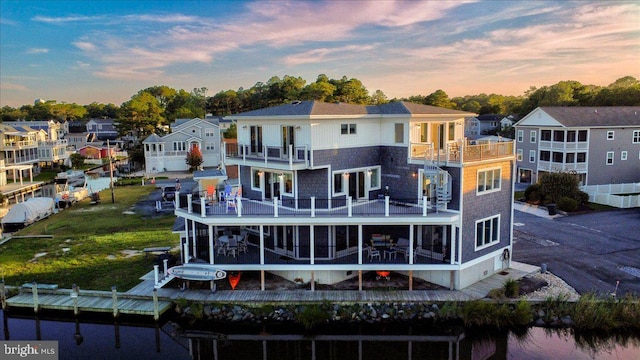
(575, 116)
(153, 138)
(309, 108)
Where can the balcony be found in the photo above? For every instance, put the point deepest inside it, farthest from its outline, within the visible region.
(16, 145)
(458, 153)
(289, 158)
(322, 210)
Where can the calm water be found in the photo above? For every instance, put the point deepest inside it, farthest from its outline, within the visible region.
(90, 340)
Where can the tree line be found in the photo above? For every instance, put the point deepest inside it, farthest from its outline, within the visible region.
(152, 109)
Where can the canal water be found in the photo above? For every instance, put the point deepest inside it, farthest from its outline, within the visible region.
(105, 339)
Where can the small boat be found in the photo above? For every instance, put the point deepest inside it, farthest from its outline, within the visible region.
(75, 178)
(71, 187)
(201, 272)
(26, 213)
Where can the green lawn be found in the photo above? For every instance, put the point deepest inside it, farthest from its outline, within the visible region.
(89, 244)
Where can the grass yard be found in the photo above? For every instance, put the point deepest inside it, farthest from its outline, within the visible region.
(93, 246)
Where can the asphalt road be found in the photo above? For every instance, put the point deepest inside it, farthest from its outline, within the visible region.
(591, 252)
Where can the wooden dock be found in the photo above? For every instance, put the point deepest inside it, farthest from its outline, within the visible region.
(89, 301)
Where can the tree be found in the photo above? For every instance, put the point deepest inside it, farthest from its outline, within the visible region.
(440, 98)
(77, 160)
(194, 158)
(232, 132)
(141, 116)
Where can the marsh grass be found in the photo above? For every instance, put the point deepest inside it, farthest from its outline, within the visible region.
(89, 244)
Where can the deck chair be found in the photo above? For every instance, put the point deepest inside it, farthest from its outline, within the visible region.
(222, 249)
(372, 253)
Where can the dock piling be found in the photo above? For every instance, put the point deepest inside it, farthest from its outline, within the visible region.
(156, 315)
(114, 296)
(3, 296)
(74, 296)
(34, 290)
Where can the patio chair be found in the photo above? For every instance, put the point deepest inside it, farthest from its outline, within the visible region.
(221, 248)
(372, 253)
(242, 244)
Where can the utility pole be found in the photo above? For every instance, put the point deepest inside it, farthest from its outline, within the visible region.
(113, 196)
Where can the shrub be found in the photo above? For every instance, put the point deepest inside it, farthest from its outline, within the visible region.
(567, 204)
(582, 197)
(557, 185)
(511, 288)
(312, 315)
(533, 194)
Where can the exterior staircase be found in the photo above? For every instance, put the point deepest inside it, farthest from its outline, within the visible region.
(442, 180)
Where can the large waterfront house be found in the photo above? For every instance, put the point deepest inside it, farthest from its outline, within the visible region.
(328, 191)
(169, 152)
(601, 145)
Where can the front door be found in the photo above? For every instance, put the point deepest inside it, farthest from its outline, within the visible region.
(285, 240)
(357, 185)
(288, 138)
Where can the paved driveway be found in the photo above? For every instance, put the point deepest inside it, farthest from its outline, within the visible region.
(589, 251)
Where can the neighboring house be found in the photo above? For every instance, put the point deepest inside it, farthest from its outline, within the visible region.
(507, 122)
(601, 145)
(97, 151)
(52, 148)
(169, 152)
(320, 182)
(482, 125)
(104, 129)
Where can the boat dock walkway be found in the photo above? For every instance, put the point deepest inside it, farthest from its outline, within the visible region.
(114, 302)
(144, 299)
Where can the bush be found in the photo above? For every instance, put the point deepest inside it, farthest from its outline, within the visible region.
(557, 185)
(511, 288)
(567, 204)
(533, 194)
(582, 197)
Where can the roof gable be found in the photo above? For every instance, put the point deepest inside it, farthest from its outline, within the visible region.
(582, 116)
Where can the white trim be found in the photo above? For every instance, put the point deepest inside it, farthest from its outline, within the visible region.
(491, 243)
(610, 135)
(493, 189)
(532, 136)
(520, 135)
(610, 156)
(532, 156)
(623, 155)
(519, 155)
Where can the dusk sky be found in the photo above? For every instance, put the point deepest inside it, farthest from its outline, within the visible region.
(106, 51)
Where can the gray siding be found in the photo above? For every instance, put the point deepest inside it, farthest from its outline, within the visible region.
(622, 171)
(526, 145)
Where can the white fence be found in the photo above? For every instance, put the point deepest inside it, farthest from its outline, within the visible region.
(622, 196)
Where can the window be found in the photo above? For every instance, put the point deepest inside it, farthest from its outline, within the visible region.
(209, 132)
(179, 146)
(636, 137)
(375, 178)
(287, 180)
(582, 136)
(610, 155)
(255, 133)
(347, 129)
(519, 155)
(545, 135)
(452, 131)
(532, 136)
(209, 146)
(255, 179)
(338, 187)
(581, 157)
(532, 156)
(520, 135)
(610, 135)
(557, 157)
(558, 135)
(623, 155)
(570, 158)
(488, 181)
(571, 136)
(399, 132)
(487, 232)
(545, 155)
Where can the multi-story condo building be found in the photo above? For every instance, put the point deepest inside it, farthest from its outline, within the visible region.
(169, 152)
(328, 191)
(601, 145)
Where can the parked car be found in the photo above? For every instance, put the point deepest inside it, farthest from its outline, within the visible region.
(168, 193)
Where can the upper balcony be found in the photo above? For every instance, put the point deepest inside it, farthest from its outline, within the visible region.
(9, 144)
(458, 153)
(277, 157)
(313, 210)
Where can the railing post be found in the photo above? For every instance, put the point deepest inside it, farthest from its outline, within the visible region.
(349, 208)
(239, 206)
(424, 206)
(114, 297)
(155, 275)
(386, 205)
(34, 290)
(165, 262)
(275, 207)
(313, 206)
(290, 156)
(177, 199)
(203, 207)
(189, 205)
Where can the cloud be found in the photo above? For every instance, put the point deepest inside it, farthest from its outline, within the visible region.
(84, 45)
(37, 51)
(66, 19)
(12, 86)
(81, 64)
(322, 55)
